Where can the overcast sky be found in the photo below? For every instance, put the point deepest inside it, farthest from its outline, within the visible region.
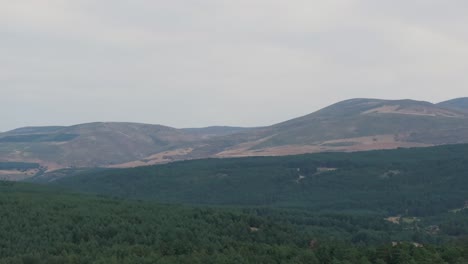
(193, 63)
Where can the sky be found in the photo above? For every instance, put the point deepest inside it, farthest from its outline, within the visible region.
(195, 63)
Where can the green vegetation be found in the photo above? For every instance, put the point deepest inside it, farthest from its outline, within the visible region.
(412, 182)
(38, 138)
(42, 225)
(18, 166)
(387, 207)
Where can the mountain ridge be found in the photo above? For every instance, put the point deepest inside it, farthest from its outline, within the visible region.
(351, 125)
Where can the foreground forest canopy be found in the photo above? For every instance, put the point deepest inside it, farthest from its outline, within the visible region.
(42, 225)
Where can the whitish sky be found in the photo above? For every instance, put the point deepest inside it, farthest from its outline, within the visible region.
(192, 63)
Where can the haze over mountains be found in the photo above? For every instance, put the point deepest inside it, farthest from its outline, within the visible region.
(352, 125)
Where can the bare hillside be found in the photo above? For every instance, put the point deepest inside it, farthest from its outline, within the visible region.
(352, 125)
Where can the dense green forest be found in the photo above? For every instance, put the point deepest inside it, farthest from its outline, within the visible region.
(386, 207)
(411, 182)
(43, 225)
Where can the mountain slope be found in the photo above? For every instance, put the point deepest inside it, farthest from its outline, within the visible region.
(88, 145)
(459, 104)
(352, 125)
(361, 124)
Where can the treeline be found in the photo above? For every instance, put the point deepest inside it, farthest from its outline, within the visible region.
(38, 225)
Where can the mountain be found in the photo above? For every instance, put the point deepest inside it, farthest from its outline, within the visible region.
(459, 104)
(358, 124)
(94, 144)
(352, 125)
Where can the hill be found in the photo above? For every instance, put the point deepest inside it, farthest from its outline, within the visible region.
(360, 124)
(459, 104)
(411, 182)
(352, 125)
(95, 144)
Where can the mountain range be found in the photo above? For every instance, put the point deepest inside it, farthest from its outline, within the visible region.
(351, 125)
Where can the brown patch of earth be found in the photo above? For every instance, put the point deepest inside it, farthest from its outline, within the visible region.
(358, 144)
(237, 150)
(393, 219)
(11, 172)
(47, 165)
(421, 111)
(158, 158)
(16, 175)
(254, 229)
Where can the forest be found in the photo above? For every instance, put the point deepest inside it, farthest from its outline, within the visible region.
(386, 207)
(47, 225)
(414, 182)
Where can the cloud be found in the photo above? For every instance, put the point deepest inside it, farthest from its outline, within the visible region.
(235, 62)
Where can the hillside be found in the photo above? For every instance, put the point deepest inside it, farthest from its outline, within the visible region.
(96, 145)
(360, 124)
(459, 104)
(212, 131)
(352, 125)
(412, 182)
(87, 145)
